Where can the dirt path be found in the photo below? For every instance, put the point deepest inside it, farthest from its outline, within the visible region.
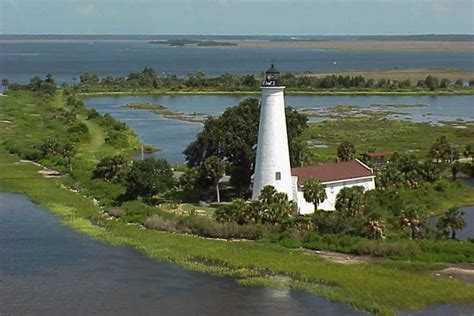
(89, 149)
(338, 257)
(464, 273)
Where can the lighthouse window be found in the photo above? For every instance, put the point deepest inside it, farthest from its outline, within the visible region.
(277, 175)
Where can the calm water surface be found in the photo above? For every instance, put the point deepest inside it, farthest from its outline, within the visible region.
(172, 136)
(48, 269)
(20, 61)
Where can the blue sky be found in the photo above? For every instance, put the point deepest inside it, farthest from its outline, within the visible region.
(300, 17)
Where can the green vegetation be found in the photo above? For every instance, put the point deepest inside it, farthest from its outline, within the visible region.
(382, 134)
(363, 286)
(148, 177)
(451, 221)
(213, 169)
(345, 151)
(245, 260)
(314, 192)
(272, 207)
(46, 86)
(148, 81)
(37, 126)
(233, 138)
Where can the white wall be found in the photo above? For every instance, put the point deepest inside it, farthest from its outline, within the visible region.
(332, 190)
(272, 148)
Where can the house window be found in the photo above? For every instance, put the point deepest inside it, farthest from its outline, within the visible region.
(277, 175)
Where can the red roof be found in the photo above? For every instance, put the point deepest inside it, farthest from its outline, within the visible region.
(333, 172)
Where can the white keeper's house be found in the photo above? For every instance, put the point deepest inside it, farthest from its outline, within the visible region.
(334, 177)
(272, 164)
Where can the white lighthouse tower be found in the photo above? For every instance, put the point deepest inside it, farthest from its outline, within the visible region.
(272, 165)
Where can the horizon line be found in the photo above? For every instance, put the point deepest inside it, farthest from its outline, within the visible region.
(210, 34)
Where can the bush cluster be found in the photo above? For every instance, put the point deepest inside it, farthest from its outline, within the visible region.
(205, 227)
(45, 87)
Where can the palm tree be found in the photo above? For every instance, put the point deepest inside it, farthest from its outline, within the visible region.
(450, 222)
(280, 209)
(314, 192)
(376, 228)
(410, 218)
(256, 210)
(267, 194)
(350, 202)
(345, 151)
(214, 169)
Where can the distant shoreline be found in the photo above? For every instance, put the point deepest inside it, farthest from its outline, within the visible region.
(287, 92)
(461, 43)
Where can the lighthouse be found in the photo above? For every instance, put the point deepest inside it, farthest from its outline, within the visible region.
(272, 164)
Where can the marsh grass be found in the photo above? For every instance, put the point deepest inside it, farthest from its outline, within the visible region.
(374, 287)
(383, 134)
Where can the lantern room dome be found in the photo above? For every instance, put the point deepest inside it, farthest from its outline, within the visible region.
(272, 77)
(272, 70)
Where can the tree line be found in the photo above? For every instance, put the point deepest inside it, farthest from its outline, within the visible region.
(148, 79)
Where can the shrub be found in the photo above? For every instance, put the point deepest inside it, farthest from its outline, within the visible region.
(79, 129)
(398, 249)
(159, 223)
(23, 150)
(92, 114)
(117, 139)
(238, 211)
(139, 212)
(111, 168)
(209, 228)
(116, 212)
(206, 227)
(300, 223)
(341, 243)
(149, 177)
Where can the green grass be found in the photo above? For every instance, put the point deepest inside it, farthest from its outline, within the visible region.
(373, 286)
(383, 134)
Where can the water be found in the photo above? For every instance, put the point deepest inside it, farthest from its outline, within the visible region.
(48, 269)
(468, 232)
(172, 136)
(20, 61)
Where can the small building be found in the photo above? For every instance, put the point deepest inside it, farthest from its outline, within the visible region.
(334, 177)
(377, 159)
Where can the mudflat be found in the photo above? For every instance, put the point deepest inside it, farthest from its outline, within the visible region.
(363, 45)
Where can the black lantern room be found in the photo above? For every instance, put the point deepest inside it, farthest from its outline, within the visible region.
(272, 77)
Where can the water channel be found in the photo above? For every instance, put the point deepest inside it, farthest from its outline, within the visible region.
(48, 269)
(172, 136)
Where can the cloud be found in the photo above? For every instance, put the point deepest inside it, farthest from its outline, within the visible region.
(86, 9)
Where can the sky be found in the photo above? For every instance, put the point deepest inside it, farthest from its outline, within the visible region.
(235, 17)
